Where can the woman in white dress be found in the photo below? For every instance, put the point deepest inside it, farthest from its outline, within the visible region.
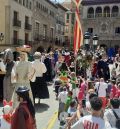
(23, 73)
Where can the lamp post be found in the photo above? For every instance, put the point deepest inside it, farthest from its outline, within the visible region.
(87, 40)
(1, 37)
(95, 41)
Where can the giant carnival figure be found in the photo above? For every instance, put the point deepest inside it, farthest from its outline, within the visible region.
(7, 82)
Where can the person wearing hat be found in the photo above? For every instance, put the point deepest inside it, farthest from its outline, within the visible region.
(24, 115)
(39, 86)
(7, 82)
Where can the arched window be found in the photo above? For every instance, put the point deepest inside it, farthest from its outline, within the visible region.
(107, 11)
(115, 11)
(90, 13)
(98, 12)
(117, 30)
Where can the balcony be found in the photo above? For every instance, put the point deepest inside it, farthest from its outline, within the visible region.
(106, 14)
(16, 23)
(98, 15)
(90, 16)
(114, 15)
(43, 38)
(17, 41)
(28, 26)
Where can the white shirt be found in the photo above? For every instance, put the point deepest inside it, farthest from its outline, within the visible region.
(101, 87)
(2, 66)
(63, 96)
(89, 122)
(110, 117)
(39, 67)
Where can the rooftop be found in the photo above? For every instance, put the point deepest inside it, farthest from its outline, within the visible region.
(62, 7)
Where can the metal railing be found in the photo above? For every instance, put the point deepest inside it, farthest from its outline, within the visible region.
(16, 23)
(20, 42)
(106, 14)
(90, 15)
(98, 15)
(28, 26)
(60, 22)
(114, 14)
(43, 38)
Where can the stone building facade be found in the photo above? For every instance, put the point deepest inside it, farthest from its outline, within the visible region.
(44, 22)
(102, 17)
(69, 23)
(60, 25)
(15, 23)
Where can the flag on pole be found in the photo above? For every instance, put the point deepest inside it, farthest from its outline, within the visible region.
(78, 35)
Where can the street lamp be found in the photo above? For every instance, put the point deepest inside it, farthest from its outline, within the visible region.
(95, 41)
(1, 37)
(87, 40)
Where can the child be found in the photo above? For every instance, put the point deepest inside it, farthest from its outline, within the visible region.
(72, 108)
(68, 101)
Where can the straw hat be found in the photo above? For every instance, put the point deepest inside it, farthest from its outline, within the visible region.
(23, 48)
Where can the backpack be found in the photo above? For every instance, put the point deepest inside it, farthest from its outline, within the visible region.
(117, 120)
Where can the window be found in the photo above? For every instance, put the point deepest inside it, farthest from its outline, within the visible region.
(66, 29)
(30, 5)
(26, 38)
(23, 2)
(117, 30)
(37, 4)
(98, 12)
(107, 11)
(20, 1)
(15, 37)
(51, 33)
(44, 31)
(115, 11)
(90, 13)
(90, 30)
(67, 18)
(27, 3)
(15, 15)
(26, 20)
(37, 27)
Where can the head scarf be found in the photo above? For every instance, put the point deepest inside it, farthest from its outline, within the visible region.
(8, 54)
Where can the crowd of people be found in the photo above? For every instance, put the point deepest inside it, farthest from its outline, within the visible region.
(88, 90)
(87, 87)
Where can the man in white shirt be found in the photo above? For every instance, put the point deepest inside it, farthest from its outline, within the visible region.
(101, 87)
(93, 121)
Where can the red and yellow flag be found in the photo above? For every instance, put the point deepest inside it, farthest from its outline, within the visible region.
(78, 35)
